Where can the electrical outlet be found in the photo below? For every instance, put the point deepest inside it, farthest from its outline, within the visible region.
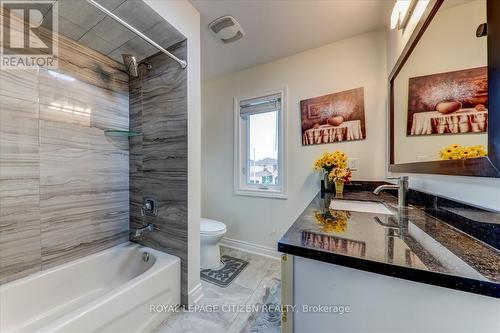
(352, 163)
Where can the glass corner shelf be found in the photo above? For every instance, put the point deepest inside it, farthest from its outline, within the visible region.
(121, 133)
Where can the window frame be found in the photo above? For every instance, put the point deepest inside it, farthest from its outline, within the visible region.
(241, 138)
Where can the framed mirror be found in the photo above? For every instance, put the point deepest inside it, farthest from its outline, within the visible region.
(445, 93)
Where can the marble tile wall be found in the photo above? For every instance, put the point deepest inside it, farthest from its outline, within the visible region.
(20, 250)
(64, 185)
(158, 159)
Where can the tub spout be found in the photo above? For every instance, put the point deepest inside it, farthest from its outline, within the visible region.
(150, 227)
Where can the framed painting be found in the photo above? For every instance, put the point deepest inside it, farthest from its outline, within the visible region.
(333, 118)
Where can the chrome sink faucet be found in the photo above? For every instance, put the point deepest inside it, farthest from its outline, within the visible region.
(402, 188)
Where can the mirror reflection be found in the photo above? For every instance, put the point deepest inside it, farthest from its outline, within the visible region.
(441, 93)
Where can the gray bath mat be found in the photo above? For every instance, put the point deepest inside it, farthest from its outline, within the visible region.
(224, 276)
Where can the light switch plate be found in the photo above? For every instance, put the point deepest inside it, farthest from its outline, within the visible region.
(353, 163)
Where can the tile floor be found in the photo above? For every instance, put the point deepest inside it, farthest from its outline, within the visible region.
(249, 288)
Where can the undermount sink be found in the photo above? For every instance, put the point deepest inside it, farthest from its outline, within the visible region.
(360, 206)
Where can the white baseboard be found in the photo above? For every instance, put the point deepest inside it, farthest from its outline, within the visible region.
(195, 294)
(259, 250)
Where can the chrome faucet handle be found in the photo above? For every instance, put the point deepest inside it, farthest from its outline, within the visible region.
(149, 207)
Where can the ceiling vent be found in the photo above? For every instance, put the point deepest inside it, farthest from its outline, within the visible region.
(226, 29)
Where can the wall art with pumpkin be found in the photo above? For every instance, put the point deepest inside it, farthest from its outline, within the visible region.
(335, 117)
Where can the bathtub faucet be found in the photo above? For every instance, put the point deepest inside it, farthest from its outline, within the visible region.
(140, 232)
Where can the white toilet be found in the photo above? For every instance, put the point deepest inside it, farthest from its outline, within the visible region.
(211, 232)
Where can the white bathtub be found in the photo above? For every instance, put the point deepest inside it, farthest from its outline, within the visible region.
(110, 291)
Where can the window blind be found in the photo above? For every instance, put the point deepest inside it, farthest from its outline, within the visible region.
(260, 105)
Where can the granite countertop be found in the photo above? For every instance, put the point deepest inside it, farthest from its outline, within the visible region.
(409, 244)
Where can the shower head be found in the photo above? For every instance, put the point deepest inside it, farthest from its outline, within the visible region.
(130, 63)
(132, 66)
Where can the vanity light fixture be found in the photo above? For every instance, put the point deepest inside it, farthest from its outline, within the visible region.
(401, 13)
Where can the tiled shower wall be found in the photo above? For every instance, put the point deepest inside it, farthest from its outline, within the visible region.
(64, 185)
(158, 159)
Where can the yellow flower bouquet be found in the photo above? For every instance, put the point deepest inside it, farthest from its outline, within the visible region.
(458, 152)
(330, 161)
(333, 221)
(335, 168)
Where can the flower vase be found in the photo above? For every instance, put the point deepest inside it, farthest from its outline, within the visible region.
(339, 189)
(327, 182)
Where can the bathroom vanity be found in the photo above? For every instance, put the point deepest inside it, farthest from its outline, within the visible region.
(367, 264)
(354, 271)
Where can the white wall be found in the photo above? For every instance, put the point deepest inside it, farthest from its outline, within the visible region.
(185, 18)
(481, 192)
(347, 64)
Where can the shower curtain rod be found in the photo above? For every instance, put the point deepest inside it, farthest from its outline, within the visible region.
(181, 62)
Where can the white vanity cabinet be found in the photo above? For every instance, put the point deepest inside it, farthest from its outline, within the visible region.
(377, 303)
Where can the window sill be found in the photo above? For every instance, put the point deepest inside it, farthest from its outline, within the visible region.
(261, 193)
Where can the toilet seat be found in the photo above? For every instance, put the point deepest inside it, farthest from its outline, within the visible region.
(211, 227)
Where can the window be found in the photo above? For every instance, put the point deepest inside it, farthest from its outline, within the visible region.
(259, 145)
